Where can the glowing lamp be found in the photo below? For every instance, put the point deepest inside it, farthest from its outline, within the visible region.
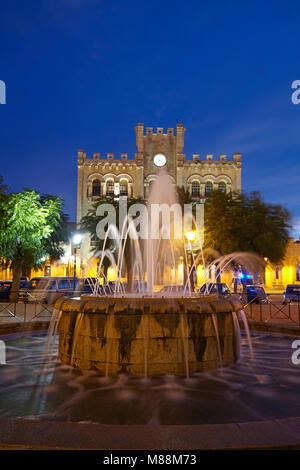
(77, 238)
(191, 236)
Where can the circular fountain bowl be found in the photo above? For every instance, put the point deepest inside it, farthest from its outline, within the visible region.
(148, 336)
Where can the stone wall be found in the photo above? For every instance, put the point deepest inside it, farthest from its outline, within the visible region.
(147, 337)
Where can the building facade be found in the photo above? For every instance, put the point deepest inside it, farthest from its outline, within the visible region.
(133, 177)
(277, 276)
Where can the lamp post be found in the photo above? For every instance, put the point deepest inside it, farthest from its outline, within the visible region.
(77, 238)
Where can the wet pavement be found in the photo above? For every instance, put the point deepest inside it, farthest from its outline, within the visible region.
(267, 388)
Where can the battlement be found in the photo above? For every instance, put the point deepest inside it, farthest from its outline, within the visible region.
(148, 131)
(98, 159)
(236, 159)
(132, 175)
(138, 158)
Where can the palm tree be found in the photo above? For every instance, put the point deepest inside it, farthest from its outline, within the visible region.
(89, 224)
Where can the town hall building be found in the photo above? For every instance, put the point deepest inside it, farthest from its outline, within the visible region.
(133, 177)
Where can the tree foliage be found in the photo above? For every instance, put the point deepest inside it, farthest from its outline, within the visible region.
(246, 223)
(89, 224)
(90, 221)
(26, 223)
(184, 196)
(31, 228)
(60, 234)
(3, 187)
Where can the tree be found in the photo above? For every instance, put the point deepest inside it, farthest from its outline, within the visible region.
(60, 235)
(89, 223)
(27, 230)
(242, 222)
(184, 196)
(3, 187)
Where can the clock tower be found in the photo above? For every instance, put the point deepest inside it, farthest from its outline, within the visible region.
(157, 150)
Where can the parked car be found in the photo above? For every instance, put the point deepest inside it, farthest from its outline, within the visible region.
(291, 294)
(86, 286)
(256, 294)
(219, 288)
(48, 289)
(178, 290)
(139, 286)
(24, 282)
(5, 288)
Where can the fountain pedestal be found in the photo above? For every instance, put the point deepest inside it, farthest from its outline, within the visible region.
(148, 336)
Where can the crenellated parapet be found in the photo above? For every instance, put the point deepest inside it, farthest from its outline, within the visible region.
(200, 176)
(210, 160)
(157, 149)
(109, 161)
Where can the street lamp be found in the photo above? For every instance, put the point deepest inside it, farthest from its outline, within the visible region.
(191, 236)
(77, 238)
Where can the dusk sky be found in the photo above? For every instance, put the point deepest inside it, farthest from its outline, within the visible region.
(82, 73)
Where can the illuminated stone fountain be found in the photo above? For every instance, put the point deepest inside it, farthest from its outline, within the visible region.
(149, 335)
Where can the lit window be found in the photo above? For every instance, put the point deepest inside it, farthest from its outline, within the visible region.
(195, 189)
(110, 186)
(208, 188)
(123, 188)
(222, 187)
(96, 189)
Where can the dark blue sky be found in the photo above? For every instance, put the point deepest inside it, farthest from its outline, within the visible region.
(82, 73)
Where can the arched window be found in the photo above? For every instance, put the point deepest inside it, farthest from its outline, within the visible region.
(208, 188)
(123, 188)
(96, 188)
(195, 189)
(110, 188)
(222, 187)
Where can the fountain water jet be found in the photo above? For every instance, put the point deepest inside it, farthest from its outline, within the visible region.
(147, 334)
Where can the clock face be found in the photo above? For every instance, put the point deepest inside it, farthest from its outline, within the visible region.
(159, 160)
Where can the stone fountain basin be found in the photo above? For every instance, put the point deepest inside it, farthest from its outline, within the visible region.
(148, 336)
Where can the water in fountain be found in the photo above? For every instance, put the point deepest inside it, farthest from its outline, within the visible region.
(264, 390)
(151, 256)
(215, 322)
(161, 250)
